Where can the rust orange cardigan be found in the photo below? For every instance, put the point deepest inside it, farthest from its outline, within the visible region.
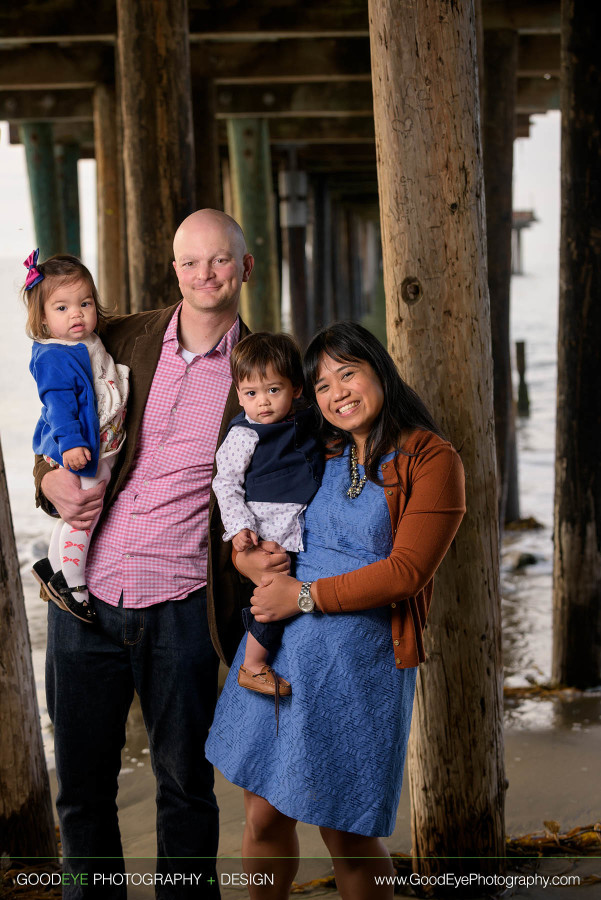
(425, 513)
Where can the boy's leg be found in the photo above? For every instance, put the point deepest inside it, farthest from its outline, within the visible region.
(89, 689)
(255, 655)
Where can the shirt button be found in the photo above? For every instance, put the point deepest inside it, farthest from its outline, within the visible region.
(133, 515)
(393, 605)
(173, 408)
(396, 643)
(128, 555)
(161, 446)
(187, 369)
(146, 483)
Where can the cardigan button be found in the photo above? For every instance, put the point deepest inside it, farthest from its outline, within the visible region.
(397, 661)
(396, 643)
(385, 465)
(389, 493)
(393, 605)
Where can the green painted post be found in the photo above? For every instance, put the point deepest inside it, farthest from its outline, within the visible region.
(254, 209)
(66, 156)
(43, 186)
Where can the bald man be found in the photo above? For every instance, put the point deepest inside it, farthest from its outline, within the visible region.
(160, 577)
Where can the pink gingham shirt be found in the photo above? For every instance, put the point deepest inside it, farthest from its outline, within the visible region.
(152, 545)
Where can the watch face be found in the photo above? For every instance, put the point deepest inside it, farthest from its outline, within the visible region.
(305, 600)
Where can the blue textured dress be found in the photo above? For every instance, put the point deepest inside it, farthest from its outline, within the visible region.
(339, 756)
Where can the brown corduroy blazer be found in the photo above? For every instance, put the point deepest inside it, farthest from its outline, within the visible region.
(136, 341)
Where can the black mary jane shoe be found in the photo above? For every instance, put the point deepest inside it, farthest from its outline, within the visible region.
(61, 594)
(42, 571)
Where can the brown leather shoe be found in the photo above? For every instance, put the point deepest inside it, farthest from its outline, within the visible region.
(264, 682)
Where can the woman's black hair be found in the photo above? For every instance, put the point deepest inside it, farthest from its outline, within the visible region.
(402, 409)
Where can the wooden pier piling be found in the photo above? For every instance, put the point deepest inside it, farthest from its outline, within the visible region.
(254, 209)
(501, 56)
(577, 524)
(66, 156)
(26, 821)
(38, 140)
(158, 141)
(431, 184)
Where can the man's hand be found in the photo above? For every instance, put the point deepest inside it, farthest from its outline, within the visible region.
(276, 598)
(76, 458)
(268, 558)
(77, 508)
(245, 539)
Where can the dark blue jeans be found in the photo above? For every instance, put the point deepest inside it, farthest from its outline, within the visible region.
(165, 654)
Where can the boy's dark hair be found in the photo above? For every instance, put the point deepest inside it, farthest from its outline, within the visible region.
(257, 351)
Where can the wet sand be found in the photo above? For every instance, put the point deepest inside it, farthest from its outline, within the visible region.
(552, 774)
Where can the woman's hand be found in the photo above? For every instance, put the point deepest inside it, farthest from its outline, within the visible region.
(276, 598)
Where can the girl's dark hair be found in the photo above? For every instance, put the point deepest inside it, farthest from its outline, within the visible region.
(57, 270)
(257, 351)
(402, 408)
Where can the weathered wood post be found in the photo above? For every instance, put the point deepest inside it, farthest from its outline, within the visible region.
(500, 59)
(110, 201)
(577, 558)
(322, 252)
(434, 248)
(65, 159)
(254, 209)
(206, 145)
(158, 142)
(43, 186)
(293, 228)
(26, 823)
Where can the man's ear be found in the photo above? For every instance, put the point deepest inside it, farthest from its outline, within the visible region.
(248, 262)
(174, 264)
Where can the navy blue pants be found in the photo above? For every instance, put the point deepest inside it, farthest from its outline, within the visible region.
(165, 654)
(268, 634)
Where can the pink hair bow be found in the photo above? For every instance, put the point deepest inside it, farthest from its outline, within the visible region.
(34, 276)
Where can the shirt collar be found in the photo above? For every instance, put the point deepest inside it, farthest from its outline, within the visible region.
(224, 346)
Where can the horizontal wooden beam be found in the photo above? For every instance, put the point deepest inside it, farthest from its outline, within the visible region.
(53, 67)
(56, 68)
(537, 95)
(46, 106)
(296, 100)
(316, 131)
(531, 17)
(539, 55)
(68, 20)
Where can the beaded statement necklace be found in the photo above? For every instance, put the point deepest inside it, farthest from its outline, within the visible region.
(357, 484)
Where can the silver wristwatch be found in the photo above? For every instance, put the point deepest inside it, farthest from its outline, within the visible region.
(306, 603)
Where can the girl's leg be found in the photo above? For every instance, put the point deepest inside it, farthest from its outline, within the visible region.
(269, 847)
(54, 549)
(74, 544)
(355, 874)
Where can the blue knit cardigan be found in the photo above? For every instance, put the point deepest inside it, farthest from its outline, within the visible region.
(69, 418)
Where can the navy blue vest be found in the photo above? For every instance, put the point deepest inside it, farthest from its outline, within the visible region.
(288, 462)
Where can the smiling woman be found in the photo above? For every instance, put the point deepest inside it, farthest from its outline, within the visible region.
(390, 503)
